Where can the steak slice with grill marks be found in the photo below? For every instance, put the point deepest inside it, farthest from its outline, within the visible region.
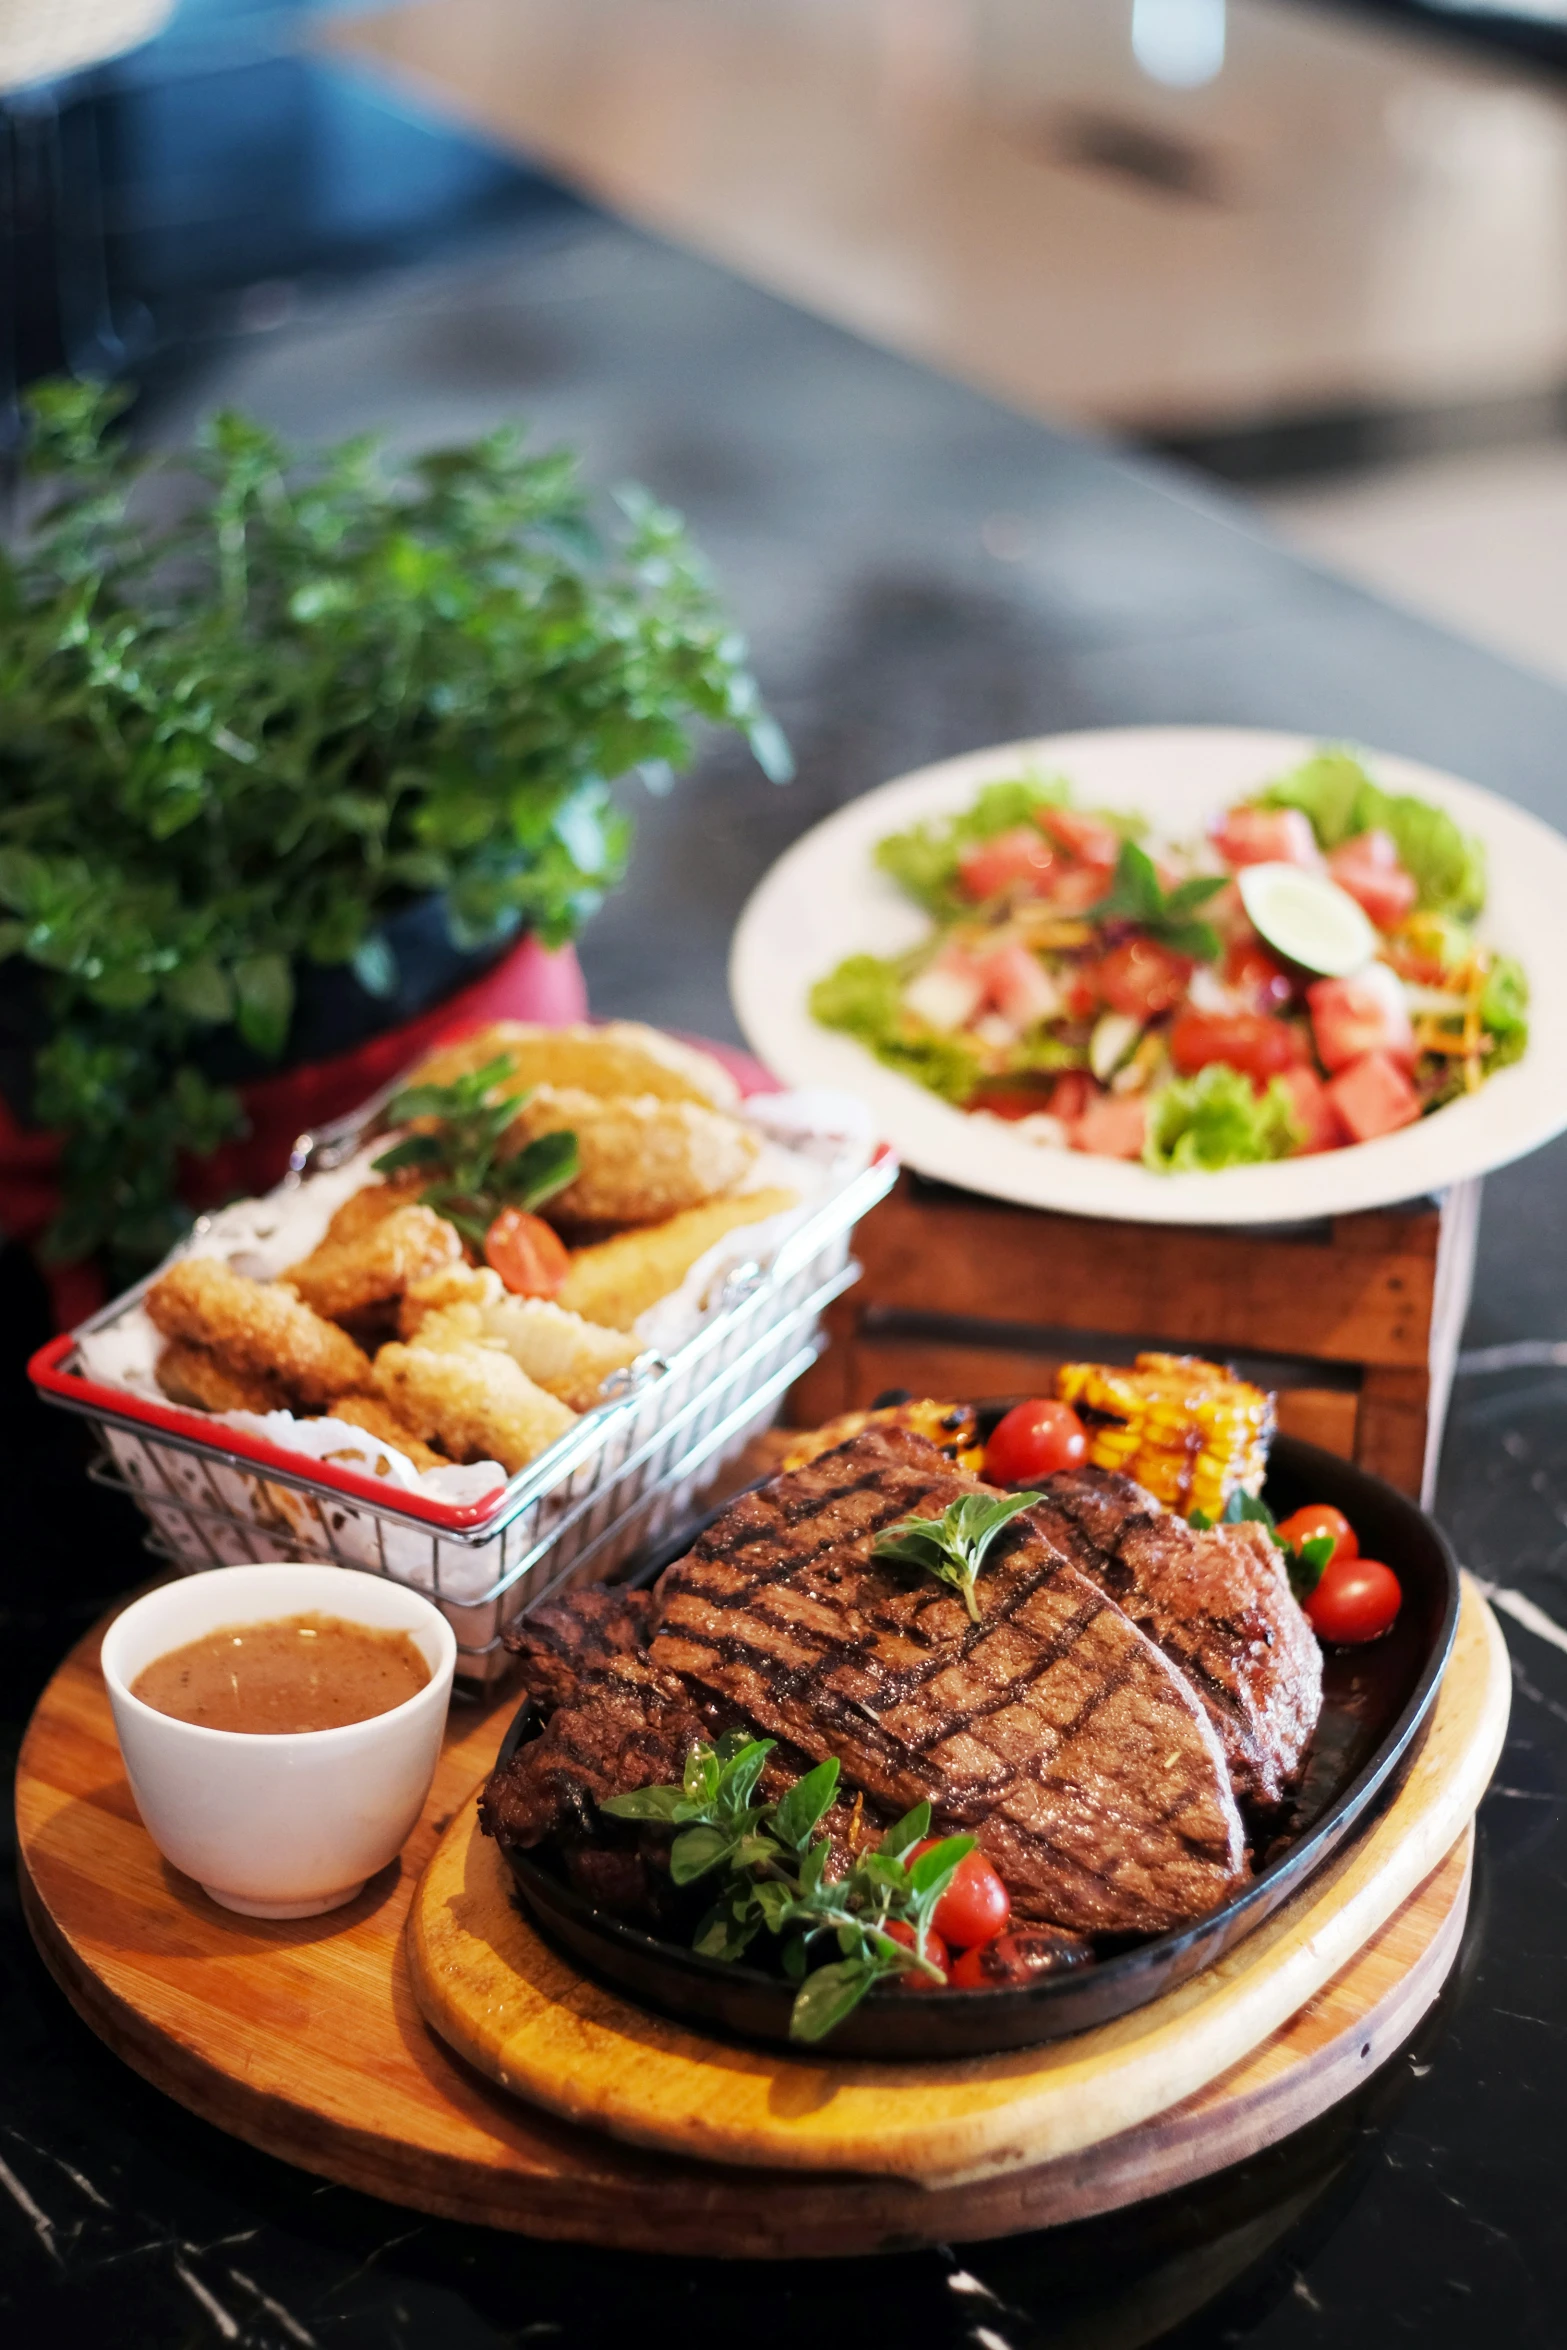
(626, 1725)
(565, 1642)
(1052, 1729)
(1220, 1606)
(614, 1723)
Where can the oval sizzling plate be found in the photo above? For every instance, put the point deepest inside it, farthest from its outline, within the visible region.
(1375, 1702)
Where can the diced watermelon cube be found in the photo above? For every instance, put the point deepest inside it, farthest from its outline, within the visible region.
(1320, 1125)
(1112, 1126)
(1368, 1013)
(1373, 1096)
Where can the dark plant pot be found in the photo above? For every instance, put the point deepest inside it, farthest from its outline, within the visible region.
(333, 1012)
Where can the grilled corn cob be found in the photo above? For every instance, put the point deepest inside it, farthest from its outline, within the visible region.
(1183, 1428)
(952, 1426)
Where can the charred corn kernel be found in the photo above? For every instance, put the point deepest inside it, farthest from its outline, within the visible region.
(953, 1427)
(1182, 1427)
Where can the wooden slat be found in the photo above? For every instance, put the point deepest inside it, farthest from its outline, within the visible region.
(1359, 1293)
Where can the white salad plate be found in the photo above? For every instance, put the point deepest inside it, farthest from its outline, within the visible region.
(825, 899)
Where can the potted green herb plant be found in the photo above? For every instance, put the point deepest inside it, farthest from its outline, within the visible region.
(274, 733)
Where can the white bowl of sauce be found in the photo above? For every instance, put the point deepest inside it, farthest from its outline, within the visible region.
(280, 1727)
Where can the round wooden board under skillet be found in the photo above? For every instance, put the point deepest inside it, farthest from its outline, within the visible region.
(305, 2038)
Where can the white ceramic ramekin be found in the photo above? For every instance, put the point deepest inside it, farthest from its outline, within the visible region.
(278, 1826)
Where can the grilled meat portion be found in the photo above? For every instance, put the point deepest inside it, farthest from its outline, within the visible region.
(1218, 1604)
(626, 1725)
(1052, 1729)
(614, 1723)
(565, 1643)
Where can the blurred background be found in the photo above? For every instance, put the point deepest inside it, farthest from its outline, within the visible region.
(1317, 252)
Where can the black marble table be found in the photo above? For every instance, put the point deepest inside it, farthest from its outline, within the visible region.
(855, 507)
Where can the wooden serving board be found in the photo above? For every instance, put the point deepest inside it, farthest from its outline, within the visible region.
(305, 2038)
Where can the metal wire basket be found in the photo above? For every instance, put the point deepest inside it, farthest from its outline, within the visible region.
(622, 1476)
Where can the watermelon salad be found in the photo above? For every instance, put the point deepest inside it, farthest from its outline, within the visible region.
(1305, 977)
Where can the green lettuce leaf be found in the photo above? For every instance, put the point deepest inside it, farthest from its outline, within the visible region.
(864, 999)
(1504, 1011)
(1217, 1119)
(1336, 793)
(924, 860)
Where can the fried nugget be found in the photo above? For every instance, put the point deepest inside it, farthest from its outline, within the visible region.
(363, 1210)
(620, 1057)
(471, 1400)
(616, 1280)
(560, 1352)
(195, 1375)
(377, 1419)
(257, 1328)
(437, 1293)
(641, 1159)
(344, 1277)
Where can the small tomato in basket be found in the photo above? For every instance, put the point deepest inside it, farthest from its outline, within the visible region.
(528, 1254)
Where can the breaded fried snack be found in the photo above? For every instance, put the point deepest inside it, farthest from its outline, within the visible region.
(560, 1352)
(472, 1401)
(438, 1293)
(641, 1158)
(377, 1419)
(349, 1276)
(256, 1327)
(621, 1057)
(195, 1375)
(616, 1280)
(363, 1210)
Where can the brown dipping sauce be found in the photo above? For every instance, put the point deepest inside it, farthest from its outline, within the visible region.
(309, 1672)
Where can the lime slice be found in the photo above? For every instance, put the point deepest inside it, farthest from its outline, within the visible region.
(1307, 919)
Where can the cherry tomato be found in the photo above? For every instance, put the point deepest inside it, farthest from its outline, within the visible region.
(1357, 1600)
(1258, 1047)
(975, 1906)
(1256, 975)
(530, 1258)
(1317, 1519)
(1020, 1957)
(1143, 978)
(935, 1949)
(1017, 860)
(1034, 1440)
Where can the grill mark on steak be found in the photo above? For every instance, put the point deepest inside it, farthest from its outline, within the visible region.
(1219, 1605)
(1052, 1729)
(562, 1644)
(628, 1725)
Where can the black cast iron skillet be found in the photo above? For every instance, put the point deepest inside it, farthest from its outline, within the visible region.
(1376, 1702)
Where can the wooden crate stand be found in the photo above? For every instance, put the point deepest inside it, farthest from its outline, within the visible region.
(1354, 1322)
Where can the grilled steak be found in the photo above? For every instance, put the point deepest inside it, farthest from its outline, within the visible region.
(614, 1723)
(566, 1642)
(626, 1725)
(1218, 1604)
(1052, 1729)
